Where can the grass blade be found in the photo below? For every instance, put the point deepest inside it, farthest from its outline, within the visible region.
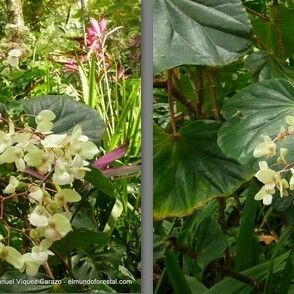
(247, 243)
(175, 274)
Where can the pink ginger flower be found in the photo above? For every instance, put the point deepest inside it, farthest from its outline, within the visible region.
(71, 66)
(95, 33)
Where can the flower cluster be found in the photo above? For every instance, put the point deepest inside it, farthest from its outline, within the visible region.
(47, 165)
(96, 32)
(273, 180)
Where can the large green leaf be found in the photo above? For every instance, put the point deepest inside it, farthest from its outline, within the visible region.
(259, 109)
(203, 32)
(190, 170)
(263, 66)
(68, 114)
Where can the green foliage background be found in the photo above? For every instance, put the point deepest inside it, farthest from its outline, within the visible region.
(223, 76)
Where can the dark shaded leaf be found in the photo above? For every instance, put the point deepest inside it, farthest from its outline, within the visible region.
(199, 32)
(68, 113)
(259, 109)
(195, 170)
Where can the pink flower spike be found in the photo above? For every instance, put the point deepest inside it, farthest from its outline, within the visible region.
(71, 66)
(95, 26)
(103, 25)
(110, 157)
(98, 27)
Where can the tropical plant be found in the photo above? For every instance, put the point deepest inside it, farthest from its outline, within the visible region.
(66, 83)
(223, 102)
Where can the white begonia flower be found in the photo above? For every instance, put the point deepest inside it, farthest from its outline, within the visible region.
(267, 176)
(15, 53)
(283, 186)
(290, 120)
(54, 141)
(30, 265)
(87, 150)
(13, 154)
(11, 255)
(23, 138)
(34, 156)
(36, 194)
(13, 58)
(265, 195)
(10, 188)
(40, 254)
(267, 148)
(5, 141)
(40, 159)
(77, 135)
(19, 162)
(282, 157)
(78, 167)
(62, 175)
(62, 178)
(58, 226)
(291, 182)
(45, 115)
(39, 217)
(67, 195)
(80, 144)
(44, 121)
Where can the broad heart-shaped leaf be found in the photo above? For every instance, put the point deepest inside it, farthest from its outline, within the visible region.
(259, 109)
(190, 170)
(202, 32)
(263, 66)
(68, 114)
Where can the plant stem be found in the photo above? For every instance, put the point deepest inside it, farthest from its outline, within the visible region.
(171, 101)
(213, 93)
(162, 84)
(221, 214)
(199, 85)
(261, 16)
(276, 20)
(69, 270)
(48, 270)
(247, 280)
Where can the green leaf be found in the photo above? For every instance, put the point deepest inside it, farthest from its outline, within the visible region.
(286, 279)
(199, 32)
(68, 113)
(263, 66)
(81, 238)
(195, 285)
(195, 170)
(176, 275)
(211, 243)
(98, 180)
(257, 273)
(246, 254)
(84, 218)
(259, 109)
(83, 267)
